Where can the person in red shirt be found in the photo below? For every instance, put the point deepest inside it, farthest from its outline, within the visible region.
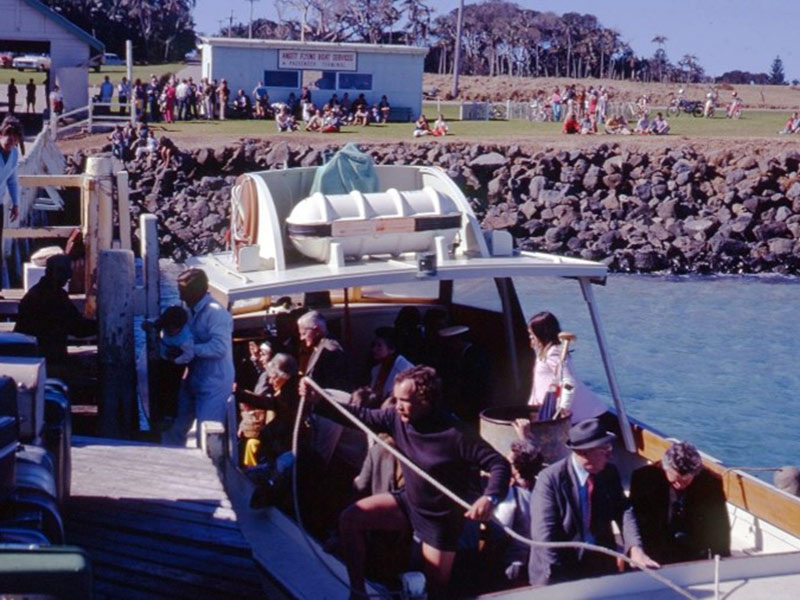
(571, 124)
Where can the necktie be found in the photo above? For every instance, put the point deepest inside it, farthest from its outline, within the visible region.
(587, 523)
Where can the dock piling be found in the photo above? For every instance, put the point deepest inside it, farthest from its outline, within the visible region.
(115, 343)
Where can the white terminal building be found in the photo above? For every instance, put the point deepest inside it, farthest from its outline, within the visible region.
(325, 68)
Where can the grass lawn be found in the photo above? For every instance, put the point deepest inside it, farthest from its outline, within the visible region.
(115, 72)
(752, 124)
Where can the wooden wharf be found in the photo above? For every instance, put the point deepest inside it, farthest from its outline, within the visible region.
(156, 523)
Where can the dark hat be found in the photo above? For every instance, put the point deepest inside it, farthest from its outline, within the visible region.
(589, 434)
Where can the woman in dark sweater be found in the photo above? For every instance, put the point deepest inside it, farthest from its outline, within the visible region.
(443, 448)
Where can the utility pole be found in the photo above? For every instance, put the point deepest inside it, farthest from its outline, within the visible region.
(230, 25)
(250, 33)
(457, 56)
(221, 23)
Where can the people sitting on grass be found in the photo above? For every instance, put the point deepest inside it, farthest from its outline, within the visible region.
(332, 122)
(315, 122)
(242, 106)
(361, 115)
(792, 124)
(385, 109)
(617, 125)
(642, 125)
(587, 126)
(571, 124)
(659, 126)
(422, 127)
(285, 120)
(440, 127)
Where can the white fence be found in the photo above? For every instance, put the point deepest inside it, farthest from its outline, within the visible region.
(88, 118)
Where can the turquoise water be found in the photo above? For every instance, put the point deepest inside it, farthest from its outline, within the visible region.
(713, 361)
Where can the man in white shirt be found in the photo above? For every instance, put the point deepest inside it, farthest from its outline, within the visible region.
(181, 93)
(211, 373)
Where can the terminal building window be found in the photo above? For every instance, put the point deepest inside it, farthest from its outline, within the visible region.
(282, 79)
(319, 80)
(355, 81)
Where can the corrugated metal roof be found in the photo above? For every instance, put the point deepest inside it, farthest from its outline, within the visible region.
(66, 24)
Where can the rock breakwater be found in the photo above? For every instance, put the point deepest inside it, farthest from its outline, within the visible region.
(652, 210)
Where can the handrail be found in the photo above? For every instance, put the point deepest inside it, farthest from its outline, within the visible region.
(454, 497)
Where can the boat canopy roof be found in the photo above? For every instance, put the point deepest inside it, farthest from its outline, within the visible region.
(230, 285)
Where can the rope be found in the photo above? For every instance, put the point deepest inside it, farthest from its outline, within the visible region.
(455, 498)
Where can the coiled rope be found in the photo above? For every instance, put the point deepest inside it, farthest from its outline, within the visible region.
(447, 492)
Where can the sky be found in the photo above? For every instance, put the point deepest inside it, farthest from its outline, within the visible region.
(723, 34)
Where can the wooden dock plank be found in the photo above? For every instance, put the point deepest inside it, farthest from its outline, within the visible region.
(157, 524)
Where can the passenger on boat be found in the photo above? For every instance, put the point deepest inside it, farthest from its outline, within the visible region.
(680, 507)
(381, 471)
(325, 361)
(575, 500)
(265, 355)
(249, 367)
(543, 330)
(279, 401)
(47, 313)
(442, 447)
(408, 328)
(465, 370)
(388, 362)
(511, 557)
(211, 374)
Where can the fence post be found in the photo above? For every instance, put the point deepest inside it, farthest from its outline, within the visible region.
(115, 343)
(148, 230)
(124, 210)
(97, 222)
(91, 110)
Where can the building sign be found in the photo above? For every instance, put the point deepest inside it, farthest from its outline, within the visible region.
(317, 60)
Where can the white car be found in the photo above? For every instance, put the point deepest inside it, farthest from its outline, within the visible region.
(37, 62)
(109, 58)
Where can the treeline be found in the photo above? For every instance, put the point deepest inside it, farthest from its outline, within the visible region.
(498, 38)
(161, 30)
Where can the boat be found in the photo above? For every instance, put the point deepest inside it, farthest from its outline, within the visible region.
(357, 255)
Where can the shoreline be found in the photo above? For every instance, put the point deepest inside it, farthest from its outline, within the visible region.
(652, 207)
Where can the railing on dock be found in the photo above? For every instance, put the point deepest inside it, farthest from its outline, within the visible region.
(88, 118)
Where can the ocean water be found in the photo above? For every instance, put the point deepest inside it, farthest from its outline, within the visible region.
(710, 360)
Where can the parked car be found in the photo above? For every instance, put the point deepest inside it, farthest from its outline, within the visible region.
(5, 59)
(37, 62)
(109, 58)
(193, 56)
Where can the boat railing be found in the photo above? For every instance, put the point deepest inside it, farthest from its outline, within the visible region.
(450, 494)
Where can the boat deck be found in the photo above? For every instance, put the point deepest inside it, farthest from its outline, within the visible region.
(156, 523)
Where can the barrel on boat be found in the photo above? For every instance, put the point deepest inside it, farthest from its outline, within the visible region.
(549, 436)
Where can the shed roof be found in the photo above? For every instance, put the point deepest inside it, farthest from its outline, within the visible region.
(287, 44)
(67, 24)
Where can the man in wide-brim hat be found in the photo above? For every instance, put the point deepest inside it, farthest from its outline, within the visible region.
(575, 499)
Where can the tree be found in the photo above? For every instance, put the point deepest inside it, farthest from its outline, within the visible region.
(660, 56)
(776, 76)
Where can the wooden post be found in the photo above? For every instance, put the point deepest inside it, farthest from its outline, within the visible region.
(148, 230)
(124, 209)
(97, 222)
(115, 343)
(148, 377)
